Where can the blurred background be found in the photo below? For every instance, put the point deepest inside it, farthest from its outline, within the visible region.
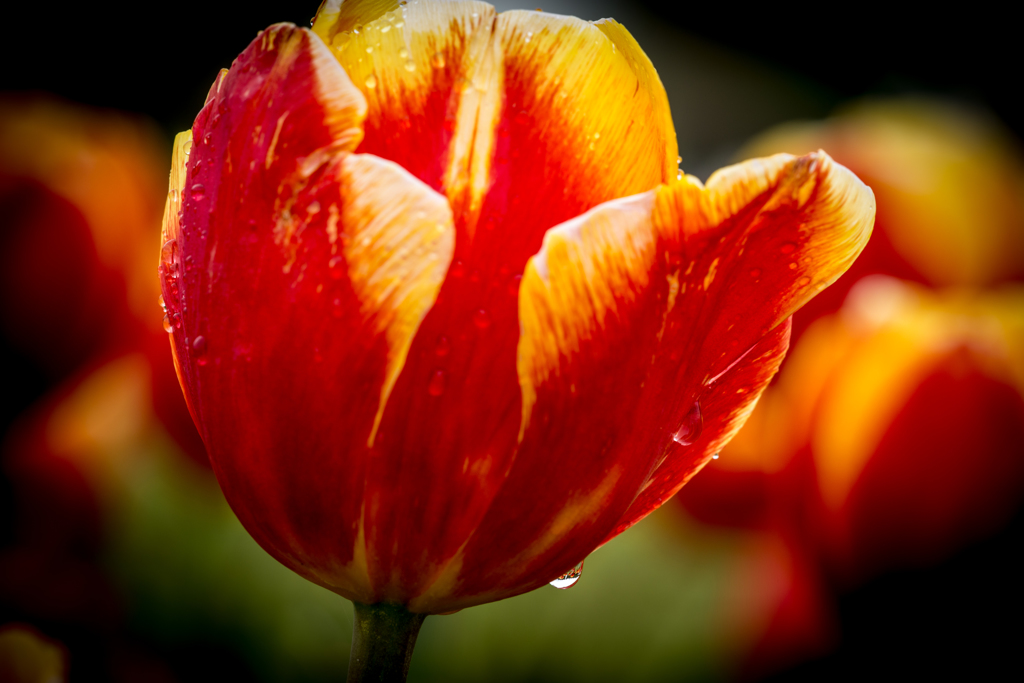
(868, 519)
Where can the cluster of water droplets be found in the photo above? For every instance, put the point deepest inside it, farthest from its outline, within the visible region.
(569, 579)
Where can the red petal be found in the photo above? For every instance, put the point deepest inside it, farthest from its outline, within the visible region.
(300, 273)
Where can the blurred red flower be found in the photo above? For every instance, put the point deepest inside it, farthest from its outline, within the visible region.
(445, 315)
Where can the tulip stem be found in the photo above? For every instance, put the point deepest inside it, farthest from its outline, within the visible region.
(382, 643)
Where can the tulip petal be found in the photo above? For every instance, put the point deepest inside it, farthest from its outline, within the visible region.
(523, 120)
(647, 312)
(299, 249)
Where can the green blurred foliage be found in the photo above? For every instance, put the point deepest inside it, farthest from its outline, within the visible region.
(649, 606)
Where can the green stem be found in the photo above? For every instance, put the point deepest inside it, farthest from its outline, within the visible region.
(382, 643)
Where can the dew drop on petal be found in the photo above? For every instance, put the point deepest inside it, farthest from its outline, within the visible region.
(198, 190)
(168, 325)
(371, 81)
(788, 248)
(693, 424)
(482, 319)
(715, 456)
(163, 305)
(569, 579)
(792, 266)
(335, 266)
(187, 147)
(443, 346)
(436, 385)
(403, 53)
(410, 66)
(199, 347)
(803, 282)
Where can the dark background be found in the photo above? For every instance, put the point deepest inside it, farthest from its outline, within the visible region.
(158, 59)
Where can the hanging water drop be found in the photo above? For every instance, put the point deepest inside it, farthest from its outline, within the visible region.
(168, 325)
(198, 190)
(693, 424)
(715, 456)
(569, 579)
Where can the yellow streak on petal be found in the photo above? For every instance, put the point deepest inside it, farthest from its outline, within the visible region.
(398, 238)
(570, 287)
(179, 160)
(468, 176)
(604, 95)
(343, 16)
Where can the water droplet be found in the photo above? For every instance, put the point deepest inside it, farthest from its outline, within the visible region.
(693, 424)
(335, 265)
(207, 138)
(679, 161)
(522, 118)
(443, 346)
(513, 285)
(529, 36)
(198, 190)
(715, 456)
(399, 24)
(792, 266)
(482, 319)
(168, 325)
(803, 282)
(385, 28)
(371, 81)
(314, 207)
(357, 29)
(173, 196)
(410, 66)
(569, 579)
(403, 53)
(369, 49)
(160, 300)
(755, 272)
(438, 61)
(187, 147)
(199, 347)
(436, 386)
(788, 248)
(457, 270)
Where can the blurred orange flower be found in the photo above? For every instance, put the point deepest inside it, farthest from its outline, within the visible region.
(895, 431)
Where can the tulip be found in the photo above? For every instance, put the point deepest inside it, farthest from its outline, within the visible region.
(446, 314)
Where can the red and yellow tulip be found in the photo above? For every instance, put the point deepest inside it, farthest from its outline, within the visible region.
(446, 314)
